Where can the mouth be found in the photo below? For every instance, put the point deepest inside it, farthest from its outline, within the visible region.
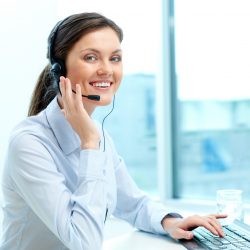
(101, 84)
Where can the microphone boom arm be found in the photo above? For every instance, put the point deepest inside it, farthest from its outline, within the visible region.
(90, 97)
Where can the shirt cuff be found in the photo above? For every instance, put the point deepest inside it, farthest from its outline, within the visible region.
(156, 222)
(92, 163)
(172, 215)
(159, 217)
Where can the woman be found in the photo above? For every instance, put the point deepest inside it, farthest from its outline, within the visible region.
(59, 184)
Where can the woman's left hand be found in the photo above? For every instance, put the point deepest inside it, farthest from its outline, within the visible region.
(182, 228)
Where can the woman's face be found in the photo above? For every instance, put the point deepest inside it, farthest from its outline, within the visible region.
(95, 62)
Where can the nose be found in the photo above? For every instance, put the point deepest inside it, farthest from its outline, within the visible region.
(105, 68)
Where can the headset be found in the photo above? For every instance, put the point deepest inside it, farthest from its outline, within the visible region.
(57, 65)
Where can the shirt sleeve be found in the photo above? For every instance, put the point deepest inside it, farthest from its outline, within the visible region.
(135, 206)
(76, 218)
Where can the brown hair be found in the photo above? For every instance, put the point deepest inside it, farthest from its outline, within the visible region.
(63, 36)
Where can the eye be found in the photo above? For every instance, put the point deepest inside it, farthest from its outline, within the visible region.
(90, 58)
(116, 58)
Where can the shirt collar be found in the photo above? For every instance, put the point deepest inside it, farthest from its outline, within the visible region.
(67, 138)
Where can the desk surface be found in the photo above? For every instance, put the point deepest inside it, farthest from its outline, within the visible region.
(139, 240)
(127, 238)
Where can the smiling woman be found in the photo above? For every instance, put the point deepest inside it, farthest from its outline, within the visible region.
(59, 187)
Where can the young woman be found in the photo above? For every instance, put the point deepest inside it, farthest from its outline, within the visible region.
(59, 184)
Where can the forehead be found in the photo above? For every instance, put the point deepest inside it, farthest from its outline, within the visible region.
(105, 38)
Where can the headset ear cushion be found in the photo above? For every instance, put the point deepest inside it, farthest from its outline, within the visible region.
(56, 73)
(62, 67)
(56, 69)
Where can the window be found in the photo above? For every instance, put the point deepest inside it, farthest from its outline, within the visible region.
(212, 52)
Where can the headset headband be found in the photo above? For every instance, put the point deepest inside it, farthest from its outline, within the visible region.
(52, 41)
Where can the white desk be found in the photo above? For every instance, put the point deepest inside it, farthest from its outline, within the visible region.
(132, 239)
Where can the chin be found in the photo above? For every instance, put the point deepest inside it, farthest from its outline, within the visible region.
(104, 101)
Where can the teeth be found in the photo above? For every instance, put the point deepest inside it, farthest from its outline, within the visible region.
(101, 84)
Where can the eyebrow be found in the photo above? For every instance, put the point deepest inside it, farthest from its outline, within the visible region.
(97, 51)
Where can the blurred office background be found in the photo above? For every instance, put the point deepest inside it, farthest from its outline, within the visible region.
(182, 114)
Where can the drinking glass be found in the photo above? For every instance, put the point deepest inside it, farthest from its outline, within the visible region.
(230, 202)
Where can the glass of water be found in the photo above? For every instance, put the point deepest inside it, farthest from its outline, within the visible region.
(230, 202)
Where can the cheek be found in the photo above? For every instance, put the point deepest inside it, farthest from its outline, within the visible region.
(118, 84)
(75, 73)
(78, 71)
(119, 74)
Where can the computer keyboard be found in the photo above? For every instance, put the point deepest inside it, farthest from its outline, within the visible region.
(237, 237)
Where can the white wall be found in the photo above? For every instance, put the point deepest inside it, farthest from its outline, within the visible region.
(24, 27)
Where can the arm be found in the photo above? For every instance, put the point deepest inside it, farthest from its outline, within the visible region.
(77, 218)
(150, 216)
(135, 206)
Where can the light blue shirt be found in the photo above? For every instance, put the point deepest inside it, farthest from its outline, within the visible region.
(57, 196)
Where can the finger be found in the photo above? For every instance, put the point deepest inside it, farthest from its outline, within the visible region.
(215, 223)
(68, 100)
(182, 234)
(68, 90)
(209, 227)
(215, 217)
(62, 85)
(78, 94)
(220, 216)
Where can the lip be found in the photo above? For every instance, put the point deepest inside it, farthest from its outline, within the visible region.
(99, 88)
(100, 81)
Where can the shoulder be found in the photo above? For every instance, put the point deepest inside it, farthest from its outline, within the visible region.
(26, 153)
(29, 129)
(25, 147)
(28, 136)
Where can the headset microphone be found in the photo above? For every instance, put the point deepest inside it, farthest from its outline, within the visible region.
(57, 65)
(90, 97)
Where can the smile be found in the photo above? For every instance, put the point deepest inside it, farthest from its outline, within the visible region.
(101, 84)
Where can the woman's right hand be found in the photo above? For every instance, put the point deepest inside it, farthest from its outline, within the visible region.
(77, 116)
